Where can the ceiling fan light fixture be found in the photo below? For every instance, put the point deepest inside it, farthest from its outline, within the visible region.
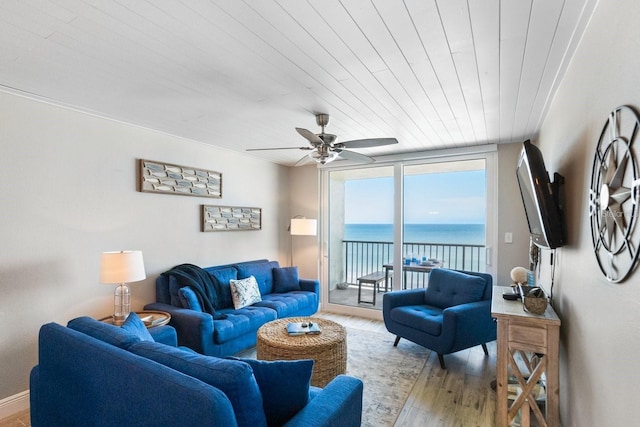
(323, 157)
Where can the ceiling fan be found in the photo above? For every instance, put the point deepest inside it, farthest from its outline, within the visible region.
(323, 148)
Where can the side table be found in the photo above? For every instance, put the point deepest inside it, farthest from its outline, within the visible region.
(150, 318)
(535, 340)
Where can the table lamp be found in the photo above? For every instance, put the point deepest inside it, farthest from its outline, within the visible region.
(121, 267)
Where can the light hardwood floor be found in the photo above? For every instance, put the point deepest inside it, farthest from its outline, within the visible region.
(457, 396)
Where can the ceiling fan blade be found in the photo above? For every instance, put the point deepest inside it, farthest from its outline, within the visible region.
(370, 142)
(303, 161)
(356, 157)
(280, 148)
(311, 137)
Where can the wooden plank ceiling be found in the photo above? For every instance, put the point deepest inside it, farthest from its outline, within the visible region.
(243, 74)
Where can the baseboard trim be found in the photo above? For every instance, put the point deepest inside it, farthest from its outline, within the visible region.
(13, 404)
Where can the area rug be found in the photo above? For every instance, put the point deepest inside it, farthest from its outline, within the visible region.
(388, 373)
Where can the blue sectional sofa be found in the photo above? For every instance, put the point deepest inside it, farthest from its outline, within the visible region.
(94, 374)
(221, 330)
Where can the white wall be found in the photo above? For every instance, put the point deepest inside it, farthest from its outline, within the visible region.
(68, 193)
(304, 201)
(600, 332)
(511, 216)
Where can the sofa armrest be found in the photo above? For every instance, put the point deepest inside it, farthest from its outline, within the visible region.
(194, 328)
(165, 334)
(339, 404)
(310, 285)
(401, 298)
(470, 323)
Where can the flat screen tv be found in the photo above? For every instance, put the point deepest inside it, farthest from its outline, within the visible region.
(543, 199)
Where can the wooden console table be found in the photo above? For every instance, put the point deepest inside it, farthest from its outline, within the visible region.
(535, 339)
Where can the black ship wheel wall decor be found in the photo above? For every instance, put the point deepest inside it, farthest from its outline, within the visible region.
(613, 196)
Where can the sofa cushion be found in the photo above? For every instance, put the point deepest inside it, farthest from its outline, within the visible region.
(261, 271)
(134, 325)
(290, 303)
(240, 322)
(284, 385)
(422, 317)
(102, 331)
(233, 377)
(223, 277)
(245, 292)
(448, 288)
(285, 279)
(189, 299)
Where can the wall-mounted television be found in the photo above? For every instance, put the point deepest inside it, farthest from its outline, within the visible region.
(543, 199)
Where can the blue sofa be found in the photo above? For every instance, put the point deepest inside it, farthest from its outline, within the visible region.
(452, 314)
(228, 331)
(94, 374)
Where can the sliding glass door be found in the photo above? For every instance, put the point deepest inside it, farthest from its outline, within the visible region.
(444, 218)
(385, 227)
(360, 233)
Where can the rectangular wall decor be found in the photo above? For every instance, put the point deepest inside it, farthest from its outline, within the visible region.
(157, 177)
(230, 218)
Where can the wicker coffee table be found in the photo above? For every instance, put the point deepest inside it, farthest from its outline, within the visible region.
(328, 349)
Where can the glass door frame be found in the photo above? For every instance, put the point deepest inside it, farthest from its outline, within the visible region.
(486, 152)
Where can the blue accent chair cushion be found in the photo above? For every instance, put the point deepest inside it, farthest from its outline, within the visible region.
(449, 287)
(285, 279)
(284, 385)
(233, 377)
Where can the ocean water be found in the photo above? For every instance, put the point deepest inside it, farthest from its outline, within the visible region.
(471, 234)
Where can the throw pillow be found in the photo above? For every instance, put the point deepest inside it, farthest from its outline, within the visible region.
(189, 299)
(135, 326)
(245, 292)
(284, 385)
(449, 287)
(233, 377)
(285, 279)
(102, 331)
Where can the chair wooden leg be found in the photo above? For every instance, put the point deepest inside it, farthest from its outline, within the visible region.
(395, 343)
(441, 359)
(486, 351)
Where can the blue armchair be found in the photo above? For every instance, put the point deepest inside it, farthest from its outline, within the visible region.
(452, 314)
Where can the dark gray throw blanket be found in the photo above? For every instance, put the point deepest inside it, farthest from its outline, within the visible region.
(203, 284)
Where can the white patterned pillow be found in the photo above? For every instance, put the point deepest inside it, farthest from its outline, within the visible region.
(244, 292)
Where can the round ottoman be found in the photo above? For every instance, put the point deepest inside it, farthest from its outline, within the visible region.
(328, 349)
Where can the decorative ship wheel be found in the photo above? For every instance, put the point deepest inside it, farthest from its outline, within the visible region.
(613, 196)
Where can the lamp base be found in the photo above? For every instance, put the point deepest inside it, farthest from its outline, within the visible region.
(121, 304)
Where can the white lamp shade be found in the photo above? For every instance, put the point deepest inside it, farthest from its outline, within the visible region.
(121, 267)
(303, 227)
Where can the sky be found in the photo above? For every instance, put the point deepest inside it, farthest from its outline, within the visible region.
(433, 198)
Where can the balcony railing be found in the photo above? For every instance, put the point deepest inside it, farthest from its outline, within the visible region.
(363, 257)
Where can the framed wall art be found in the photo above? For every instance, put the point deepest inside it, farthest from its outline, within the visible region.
(230, 218)
(158, 177)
